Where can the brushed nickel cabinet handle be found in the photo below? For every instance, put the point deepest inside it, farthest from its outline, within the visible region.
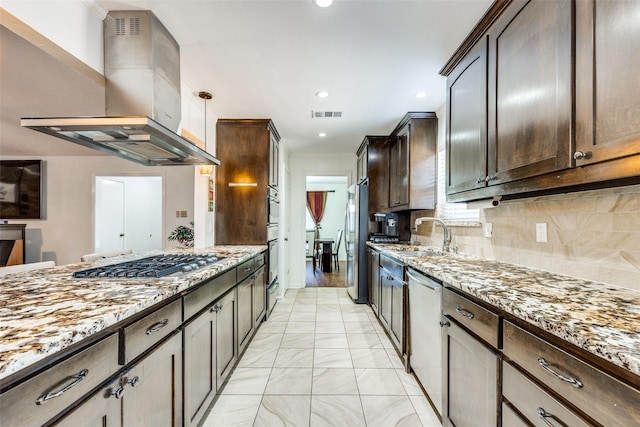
(480, 180)
(544, 415)
(580, 155)
(465, 313)
(133, 381)
(118, 392)
(76, 380)
(157, 326)
(547, 367)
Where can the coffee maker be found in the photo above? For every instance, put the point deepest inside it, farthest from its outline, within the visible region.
(386, 228)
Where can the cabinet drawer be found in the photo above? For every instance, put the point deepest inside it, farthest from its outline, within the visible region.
(510, 418)
(260, 260)
(204, 295)
(597, 394)
(533, 402)
(245, 269)
(71, 378)
(147, 331)
(395, 268)
(477, 319)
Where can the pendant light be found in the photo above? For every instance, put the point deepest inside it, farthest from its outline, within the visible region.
(205, 170)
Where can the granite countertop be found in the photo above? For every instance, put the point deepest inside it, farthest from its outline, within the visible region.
(45, 311)
(601, 319)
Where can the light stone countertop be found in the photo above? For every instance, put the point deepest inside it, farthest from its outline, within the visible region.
(45, 311)
(602, 319)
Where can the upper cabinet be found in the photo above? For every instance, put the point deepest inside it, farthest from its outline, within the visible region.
(607, 85)
(412, 163)
(539, 91)
(248, 153)
(373, 164)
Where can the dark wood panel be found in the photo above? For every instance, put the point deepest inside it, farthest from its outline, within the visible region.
(423, 152)
(241, 212)
(530, 90)
(607, 79)
(467, 130)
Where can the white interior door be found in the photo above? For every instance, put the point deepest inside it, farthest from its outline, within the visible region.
(109, 215)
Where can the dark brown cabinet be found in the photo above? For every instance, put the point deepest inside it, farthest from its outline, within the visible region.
(248, 154)
(412, 162)
(530, 76)
(226, 336)
(466, 148)
(392, 301)
(607, 89)
(373, 163)
(373, 279)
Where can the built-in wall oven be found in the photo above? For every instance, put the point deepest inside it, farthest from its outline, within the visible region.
(273, 206)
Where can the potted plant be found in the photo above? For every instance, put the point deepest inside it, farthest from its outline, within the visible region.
(182, 234)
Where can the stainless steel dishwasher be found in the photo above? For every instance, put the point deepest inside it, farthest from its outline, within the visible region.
(425, 333)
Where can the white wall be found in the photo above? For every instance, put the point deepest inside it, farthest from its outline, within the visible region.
(301, 166)
(66, 233)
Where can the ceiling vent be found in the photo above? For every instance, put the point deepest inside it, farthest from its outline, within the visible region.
(317, 114)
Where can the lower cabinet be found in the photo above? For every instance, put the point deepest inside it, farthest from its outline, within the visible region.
(470, 389)
(149, 393)
(386, 284)
(245, 312)
(392, 300)
(200, 377)
(259, 296)
(398, 325)
(373, 279)
(226, 336)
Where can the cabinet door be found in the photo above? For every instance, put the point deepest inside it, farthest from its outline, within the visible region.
(153, 394)
(274, 157)
(399, 170)
(199, 366)
(226, 336)
(385, 298)
(101, 410)
(470, 386)
(530, 91)
(362, 165)
(607, 87)
(466, 138)
(259, 296)
(245, 312)
(397, 313)
(374, 279)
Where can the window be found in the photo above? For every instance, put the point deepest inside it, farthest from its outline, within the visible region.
(449, 211)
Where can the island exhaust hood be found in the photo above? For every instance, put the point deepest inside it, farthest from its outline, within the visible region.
(142, 71)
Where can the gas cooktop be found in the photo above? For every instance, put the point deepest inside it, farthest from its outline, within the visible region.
(152, 266)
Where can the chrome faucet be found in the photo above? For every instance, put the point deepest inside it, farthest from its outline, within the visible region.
(447, 236)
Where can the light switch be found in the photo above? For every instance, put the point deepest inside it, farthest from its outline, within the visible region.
(488, 229)
(541, 232)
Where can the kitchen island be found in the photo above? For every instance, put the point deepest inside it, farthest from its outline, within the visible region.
(46, 311)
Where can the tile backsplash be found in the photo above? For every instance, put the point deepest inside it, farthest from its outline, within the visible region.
(594, 235)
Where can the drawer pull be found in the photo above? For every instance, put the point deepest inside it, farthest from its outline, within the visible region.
(117, 392)
(157, 326)
(133, 381)
(247, 269)
(76, 380)
(547, 367)
(544, 415)
(465, 313)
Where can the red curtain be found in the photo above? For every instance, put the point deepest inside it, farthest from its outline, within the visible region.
(316, 201)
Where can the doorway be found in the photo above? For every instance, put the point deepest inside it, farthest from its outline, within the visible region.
(128, 213)
(332, 220)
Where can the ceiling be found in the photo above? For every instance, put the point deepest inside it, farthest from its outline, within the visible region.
(267, 59)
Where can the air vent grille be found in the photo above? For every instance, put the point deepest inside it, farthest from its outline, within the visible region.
(121, 29)
(134, 26)
(317, 114)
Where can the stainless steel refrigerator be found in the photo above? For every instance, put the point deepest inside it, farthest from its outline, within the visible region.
(356, 221)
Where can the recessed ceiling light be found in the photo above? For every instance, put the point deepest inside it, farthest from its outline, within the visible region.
(322, 134)
(322, 94)
(323, 3)
(421, 94)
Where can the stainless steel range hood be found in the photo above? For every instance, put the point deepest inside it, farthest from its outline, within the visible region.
(136, 138)
(142, 71)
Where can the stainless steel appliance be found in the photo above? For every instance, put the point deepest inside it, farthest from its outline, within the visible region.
(273, 207)
(356, 223)
(425, 333)
(143, 106)
(152, 266)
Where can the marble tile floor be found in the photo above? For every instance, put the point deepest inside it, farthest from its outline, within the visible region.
(321, 360)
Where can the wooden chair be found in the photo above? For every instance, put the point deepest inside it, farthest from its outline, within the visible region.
(334, 253)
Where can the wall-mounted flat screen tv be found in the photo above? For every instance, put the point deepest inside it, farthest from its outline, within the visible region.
(21, 189)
